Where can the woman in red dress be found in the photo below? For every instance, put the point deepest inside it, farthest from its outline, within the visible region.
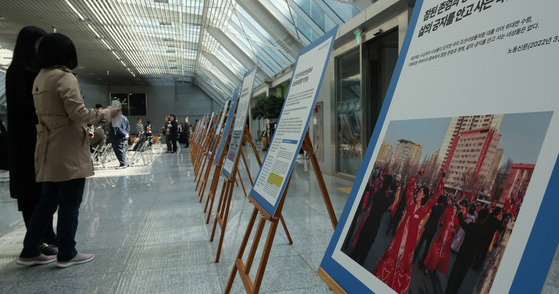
(395, 265)
(439, 255)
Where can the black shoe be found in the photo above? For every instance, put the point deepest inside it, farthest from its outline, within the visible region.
(48, 250)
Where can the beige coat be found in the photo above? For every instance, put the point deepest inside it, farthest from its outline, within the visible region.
(62, 150)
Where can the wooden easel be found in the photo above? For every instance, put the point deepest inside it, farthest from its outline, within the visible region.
(332, 284)
(206, 148)
(224, 202)
(244, 268)
(216, 175)
(199, 144)
(201, 127)
(210, 159)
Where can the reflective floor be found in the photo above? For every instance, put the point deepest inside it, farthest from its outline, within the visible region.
(148, 232)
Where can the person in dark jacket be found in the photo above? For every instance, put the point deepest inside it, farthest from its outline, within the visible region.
(174, 134)
(22, 135)
(430, 229)
(376, 207)
(468, 251)
(492, 224)
(118, 137)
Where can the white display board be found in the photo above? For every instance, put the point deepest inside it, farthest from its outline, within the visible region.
(239, 125)
(294, 120)
(461, 61)
(227, 128)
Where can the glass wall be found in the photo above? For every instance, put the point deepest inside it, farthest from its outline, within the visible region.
(348, 113)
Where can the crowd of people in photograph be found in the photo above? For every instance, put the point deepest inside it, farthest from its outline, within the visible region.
(434, 220)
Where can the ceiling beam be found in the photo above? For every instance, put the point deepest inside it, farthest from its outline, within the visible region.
(210, 91)
(234, 49)
(272, 25)
(218, 83)
(303, 15)
(279, 61)
(222, 67)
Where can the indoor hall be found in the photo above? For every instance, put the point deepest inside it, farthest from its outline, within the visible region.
(187, 57)
(148, 232)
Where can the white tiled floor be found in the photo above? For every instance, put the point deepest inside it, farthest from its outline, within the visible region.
(148, 232)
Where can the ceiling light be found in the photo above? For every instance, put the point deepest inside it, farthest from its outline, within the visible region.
(75, 10)
(94, 31)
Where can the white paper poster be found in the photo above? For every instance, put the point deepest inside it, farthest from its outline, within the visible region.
(293, 123)
(239, 125)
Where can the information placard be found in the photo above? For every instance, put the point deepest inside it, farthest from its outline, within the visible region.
(473, 94)
(227, 127)
(240, 122)
(200, 128)
(218, 127)
(294, 120)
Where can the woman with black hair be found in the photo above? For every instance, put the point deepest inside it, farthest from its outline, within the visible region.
(22, 136)
(395, 265)
(62, 159)
(174, 133)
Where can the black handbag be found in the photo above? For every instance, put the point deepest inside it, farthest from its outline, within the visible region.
(3, 147)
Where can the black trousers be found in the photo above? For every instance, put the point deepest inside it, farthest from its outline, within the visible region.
(426, 238)
(457, 275)
(49, 237)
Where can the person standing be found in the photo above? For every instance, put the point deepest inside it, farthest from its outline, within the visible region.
(459, 237)
(439, 254)
(174, 134)
(140, 128)
(430, 229)
(118, 137)
(395, 266)
(167, 133)
(375, 208)
(62, 159)
(468, 251)
(141, 135)
(22, 136)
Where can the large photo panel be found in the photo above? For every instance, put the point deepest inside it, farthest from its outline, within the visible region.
(472, 98)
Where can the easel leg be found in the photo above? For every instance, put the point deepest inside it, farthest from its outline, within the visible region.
(265, 255)
(307, 146)
(286, 231)
(223, 222)
(242, 249)
(201, 172)
(220, 206)
(205, 180)
(255, 242)
(242, 185)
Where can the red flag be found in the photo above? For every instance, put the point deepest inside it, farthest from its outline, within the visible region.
(506, 207)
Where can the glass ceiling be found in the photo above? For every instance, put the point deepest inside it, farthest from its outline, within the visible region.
(208, 41)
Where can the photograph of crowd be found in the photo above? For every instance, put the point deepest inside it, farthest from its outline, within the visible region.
(442, 199)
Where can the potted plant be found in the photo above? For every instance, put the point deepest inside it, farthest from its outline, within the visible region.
(268, 108)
